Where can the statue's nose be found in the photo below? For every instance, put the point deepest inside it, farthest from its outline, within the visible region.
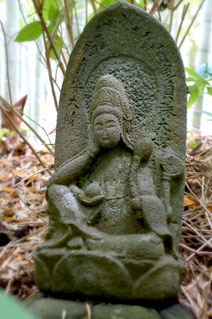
(105, 132)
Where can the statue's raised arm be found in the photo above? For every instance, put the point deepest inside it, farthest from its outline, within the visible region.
(73, 167)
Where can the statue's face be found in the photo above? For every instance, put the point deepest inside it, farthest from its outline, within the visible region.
(107, 131)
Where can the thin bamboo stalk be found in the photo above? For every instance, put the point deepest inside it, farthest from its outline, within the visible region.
(68, 22)
(145, 6)
(93, 6)
(185, 9)
(86, 11)
(48, 64)
(159, 15)
(155, 5)
(7, 62)
(192, 22)
(77, 21)
(171, 8)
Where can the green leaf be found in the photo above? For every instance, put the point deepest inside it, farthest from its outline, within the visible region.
(53, 15)
(194, 94)
(193, 73)
(209, 90)
(72, 5)
(50, 28)
(190, 80)
(207, 113)
(30, 32)
(92, 14)
(141, 3)
(58, 42)
(46, 7)
(192, 144)
(105, 3)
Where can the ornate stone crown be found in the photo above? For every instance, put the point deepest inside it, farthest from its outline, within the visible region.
(110, 97)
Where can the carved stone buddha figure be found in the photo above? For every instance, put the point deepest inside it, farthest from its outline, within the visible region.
(115, 199)
(108, 226)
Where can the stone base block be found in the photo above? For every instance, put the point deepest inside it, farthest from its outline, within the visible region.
(51, 308)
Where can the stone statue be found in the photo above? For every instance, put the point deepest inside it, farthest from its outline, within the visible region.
(115, 198)
(105, 211)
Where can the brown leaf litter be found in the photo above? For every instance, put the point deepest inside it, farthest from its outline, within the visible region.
(24, 222)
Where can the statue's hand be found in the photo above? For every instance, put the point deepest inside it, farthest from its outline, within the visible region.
(135, 203)
(93, 147)
(143, 148)
(87, 201)
(92, 196)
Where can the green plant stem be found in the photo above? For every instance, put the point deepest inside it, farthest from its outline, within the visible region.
(45, 29)
(58, 23)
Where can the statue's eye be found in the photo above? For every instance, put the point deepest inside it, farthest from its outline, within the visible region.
(98, 126)
(111, 124)
(99, 129)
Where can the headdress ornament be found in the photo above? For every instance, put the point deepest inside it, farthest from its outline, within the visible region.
(110, 97)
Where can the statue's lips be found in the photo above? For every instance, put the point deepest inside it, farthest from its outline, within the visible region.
(106, 139)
